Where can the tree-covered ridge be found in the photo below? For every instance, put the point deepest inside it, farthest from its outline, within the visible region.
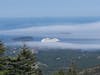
(2, 48)
(25, 63)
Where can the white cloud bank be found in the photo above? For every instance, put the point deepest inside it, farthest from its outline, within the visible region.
(77, 31)
(91, 30)
(59, 45)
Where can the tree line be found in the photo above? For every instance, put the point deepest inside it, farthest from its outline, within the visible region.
(25, 63)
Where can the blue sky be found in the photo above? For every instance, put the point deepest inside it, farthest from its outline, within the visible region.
(49, 8)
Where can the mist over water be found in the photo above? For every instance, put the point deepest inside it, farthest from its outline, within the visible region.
(78, 33)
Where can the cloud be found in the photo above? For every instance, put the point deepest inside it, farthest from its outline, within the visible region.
(59, 45)
(91, 30)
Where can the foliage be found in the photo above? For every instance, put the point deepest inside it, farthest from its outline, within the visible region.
(60, 72)
(72, 70)
(2, 58)
(2, 48)
(23, 64)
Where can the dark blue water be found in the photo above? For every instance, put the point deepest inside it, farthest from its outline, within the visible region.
(14, 23)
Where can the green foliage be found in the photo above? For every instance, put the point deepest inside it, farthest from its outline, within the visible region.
(23, 64)
(2, 58)
(72, 70)
(60, 72)
(3, 63)
(2, 48)
(3, 72)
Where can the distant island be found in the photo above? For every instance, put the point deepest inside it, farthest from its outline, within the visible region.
(23, 38)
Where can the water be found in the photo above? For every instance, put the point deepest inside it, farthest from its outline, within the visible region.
(14, 23)
(67, 30)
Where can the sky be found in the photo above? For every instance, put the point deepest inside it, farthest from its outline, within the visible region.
(49, 8)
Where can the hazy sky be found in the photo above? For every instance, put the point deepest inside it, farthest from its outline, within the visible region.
(49, 8)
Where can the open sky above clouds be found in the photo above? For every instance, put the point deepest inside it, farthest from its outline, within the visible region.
(49, 8)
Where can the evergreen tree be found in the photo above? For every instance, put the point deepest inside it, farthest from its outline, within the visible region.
(2, 48)
(3, 59)
(24, 63)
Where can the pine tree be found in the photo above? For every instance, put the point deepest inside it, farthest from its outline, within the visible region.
(2, 48)
(3, 59)
(24, 63)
